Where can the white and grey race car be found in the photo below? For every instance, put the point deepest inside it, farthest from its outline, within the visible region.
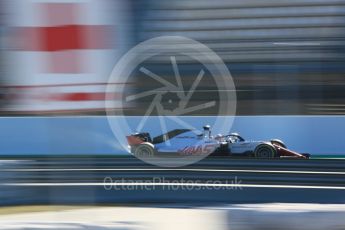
(188, 142)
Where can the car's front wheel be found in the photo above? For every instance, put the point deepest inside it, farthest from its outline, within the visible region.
(144, 150)
(265, 151)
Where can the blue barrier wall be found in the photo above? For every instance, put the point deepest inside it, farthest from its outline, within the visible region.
(92, 135)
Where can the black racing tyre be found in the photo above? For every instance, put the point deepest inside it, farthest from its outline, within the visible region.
(144, 150)
(265, 151)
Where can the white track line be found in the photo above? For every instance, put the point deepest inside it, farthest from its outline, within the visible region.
(208, 185)
(168, 169)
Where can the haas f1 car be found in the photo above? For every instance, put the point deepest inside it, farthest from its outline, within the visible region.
(186, 142)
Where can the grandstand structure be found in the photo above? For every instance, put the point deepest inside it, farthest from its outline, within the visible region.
(286, 57)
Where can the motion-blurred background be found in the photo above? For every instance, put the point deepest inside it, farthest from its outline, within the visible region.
(286, 57)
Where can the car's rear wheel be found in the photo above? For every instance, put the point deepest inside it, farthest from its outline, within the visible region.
(265, 151)
(144, 150)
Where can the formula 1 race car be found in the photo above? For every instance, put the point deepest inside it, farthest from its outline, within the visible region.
(188, 142)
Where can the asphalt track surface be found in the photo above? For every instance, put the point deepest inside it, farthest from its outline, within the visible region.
(124, 180)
